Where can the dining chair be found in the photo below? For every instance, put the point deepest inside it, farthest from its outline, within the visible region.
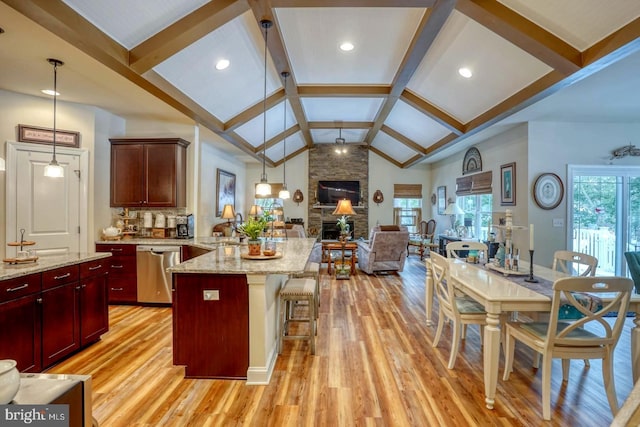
(424, 238)
(460, 310)
(633, 262)
(590, 337)
(574, 263)
(454, 248)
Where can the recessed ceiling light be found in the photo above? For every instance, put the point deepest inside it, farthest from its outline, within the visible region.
(222, 64)
(465, 72)
(346, 46)
(50, 92)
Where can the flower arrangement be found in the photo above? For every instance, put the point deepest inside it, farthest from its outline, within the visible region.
(253, 227)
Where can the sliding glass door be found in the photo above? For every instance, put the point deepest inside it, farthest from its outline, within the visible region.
(604, 214)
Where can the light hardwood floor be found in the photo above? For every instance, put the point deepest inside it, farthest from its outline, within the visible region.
(374, 365)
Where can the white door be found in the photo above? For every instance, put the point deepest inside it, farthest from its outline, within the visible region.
(48, 209)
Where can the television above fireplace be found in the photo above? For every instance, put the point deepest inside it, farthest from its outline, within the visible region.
(330, 192)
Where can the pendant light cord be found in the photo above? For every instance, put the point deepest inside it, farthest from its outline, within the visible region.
(285, 74)
(55, 98)
(266, 25)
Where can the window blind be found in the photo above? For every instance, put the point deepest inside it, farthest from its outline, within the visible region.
(407, 191)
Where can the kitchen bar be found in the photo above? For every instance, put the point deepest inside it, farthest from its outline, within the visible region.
(225, 310)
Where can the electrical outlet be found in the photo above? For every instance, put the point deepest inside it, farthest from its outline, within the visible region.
(211, 295)
(558, 222)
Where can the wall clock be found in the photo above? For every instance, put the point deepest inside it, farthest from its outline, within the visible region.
(472, 161)
(548, 191)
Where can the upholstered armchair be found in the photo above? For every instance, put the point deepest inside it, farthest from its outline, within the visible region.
(386, 249)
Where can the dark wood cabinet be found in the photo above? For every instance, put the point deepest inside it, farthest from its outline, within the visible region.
(148, 172)
(123, 282)
(50, 315)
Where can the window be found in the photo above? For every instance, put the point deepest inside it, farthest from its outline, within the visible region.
(408, 212)
(477, 215)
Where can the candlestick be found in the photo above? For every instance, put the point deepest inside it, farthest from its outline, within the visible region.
(530, 237)
(531, 279)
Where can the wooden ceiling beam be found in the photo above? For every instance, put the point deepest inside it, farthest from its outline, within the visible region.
(620, 43)
(340, 125)
(291, 156)
(385, 156)
(402, 139)
(412, 161)
(184, 32)
(430, 25)
(254, 111)
(432, 149)
(262, 9)
(432, 111)
(523, 33)
(352, 3)
(363, 91)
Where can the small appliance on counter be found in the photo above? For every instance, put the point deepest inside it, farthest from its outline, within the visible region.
(184, 226)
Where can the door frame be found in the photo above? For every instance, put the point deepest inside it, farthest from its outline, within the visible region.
(11, 199)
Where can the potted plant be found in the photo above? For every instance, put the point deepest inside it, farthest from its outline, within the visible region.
(253, 229)
(344, 227)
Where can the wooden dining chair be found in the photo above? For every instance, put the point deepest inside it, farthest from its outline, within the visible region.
(460, 310)
(455, 248)
(574, 263)
(590, 337)
(424, 239)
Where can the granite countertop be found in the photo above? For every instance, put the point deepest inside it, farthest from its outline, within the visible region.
(228, 260)
(48, 262)
(41, 389)
(204, 242)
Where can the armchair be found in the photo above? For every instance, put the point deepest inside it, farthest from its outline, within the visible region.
(386, 249)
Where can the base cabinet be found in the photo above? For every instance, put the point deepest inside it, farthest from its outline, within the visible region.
(123, 281)
(21, 326)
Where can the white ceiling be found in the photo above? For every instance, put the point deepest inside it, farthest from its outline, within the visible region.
(397, 91)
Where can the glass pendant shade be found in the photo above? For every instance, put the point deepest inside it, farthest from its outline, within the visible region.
(264, 188)
(54, 170)
(284, 193)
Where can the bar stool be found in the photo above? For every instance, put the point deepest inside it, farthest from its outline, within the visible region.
(293, 291)
(312, 270)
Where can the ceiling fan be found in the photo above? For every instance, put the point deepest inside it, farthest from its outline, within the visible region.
(627, 150)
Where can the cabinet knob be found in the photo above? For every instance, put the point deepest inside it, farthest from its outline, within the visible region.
(39, 300)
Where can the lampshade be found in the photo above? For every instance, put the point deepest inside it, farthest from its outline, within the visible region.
(284, 193)
(228, 212)
(53, 169)
(453, 209)
(344, 208)
(255, 210)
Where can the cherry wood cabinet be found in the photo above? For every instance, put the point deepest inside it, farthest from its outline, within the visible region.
(148, 172)
(123, 282)
(94, 300)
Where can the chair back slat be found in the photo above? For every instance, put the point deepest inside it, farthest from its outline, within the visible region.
(444, 292)
(601, 331)
(571, 262)
(453, 248)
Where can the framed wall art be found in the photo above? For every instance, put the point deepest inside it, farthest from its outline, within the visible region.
(225, 190)
(38, 135)
(548, 191)
(442, 199)
(508, 184)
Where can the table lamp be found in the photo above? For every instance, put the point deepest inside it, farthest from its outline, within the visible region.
(344, 208)
(453, 209)
(228, 213)
(255, 211)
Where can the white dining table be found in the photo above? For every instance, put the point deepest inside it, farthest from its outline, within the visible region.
(499, 295)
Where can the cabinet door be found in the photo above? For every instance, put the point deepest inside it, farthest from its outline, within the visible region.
(60, 323)
(20, 333)
(160, 175)
(127, 175)
(94, 308)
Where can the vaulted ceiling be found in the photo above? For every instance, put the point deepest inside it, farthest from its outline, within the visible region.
(398, 91)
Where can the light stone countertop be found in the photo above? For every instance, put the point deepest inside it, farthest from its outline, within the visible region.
(228, 260)
(48, 262)
(203, 242)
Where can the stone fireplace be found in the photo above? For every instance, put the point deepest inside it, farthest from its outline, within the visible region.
(325, 164)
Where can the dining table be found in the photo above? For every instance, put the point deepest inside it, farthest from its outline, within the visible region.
(502, 293)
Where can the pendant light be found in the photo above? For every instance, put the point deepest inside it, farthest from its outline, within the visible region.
(340, 143)
(264, 189)
(53, 169)
(284, 193)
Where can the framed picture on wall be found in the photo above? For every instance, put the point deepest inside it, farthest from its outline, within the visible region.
(442, 199)
(508, 184)
(225, 190)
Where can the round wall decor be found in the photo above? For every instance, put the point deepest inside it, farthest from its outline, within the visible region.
(472, 161)
(548, 191)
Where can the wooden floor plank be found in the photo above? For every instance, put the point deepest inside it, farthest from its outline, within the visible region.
(374, 366)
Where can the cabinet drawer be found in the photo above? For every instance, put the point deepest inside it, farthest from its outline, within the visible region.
(94, 268)
(116, 249)
(20, 286)
(122, 265)
(60, 276)
(123, 289)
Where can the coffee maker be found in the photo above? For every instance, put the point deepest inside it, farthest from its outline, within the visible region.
(184, 226)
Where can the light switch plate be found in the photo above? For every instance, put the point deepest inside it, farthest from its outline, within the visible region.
(209, 295)
(558, 222)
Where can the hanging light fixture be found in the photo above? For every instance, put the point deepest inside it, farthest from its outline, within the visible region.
(53, 169)
(340, 148)
(263, 188)
(284, 193)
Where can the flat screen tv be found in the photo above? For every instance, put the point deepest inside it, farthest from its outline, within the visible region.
(330, 192)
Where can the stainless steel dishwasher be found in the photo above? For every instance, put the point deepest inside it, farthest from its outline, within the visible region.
(154, 283)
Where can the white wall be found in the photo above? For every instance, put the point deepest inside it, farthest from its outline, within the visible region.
(553, 146)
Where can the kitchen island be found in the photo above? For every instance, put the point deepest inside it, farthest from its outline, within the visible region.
(225, 322)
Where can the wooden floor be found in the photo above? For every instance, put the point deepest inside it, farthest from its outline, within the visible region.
(374, 365)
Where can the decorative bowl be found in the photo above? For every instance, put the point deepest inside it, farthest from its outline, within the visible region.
(9, 380)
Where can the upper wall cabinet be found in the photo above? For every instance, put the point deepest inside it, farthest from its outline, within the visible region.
(149, 172)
